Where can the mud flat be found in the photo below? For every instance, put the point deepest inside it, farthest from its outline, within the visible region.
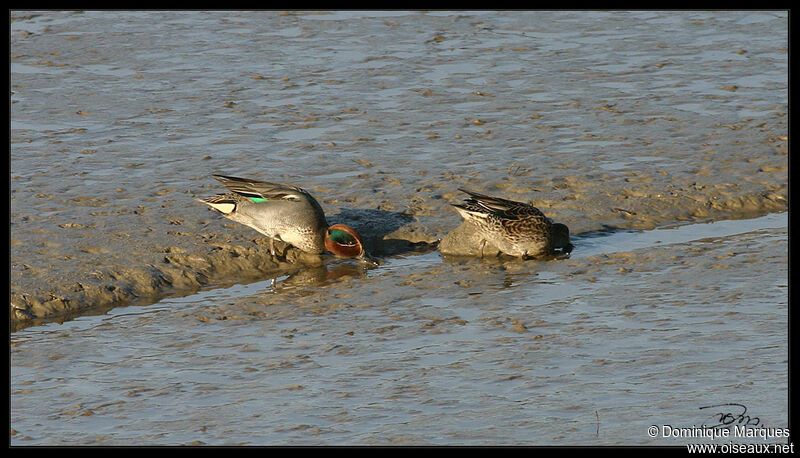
(647, 119)
(215, 257)
(636, 325)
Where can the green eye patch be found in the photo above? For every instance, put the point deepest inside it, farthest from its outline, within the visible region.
(341, 237)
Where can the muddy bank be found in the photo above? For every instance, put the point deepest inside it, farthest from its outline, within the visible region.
(602, 120)
(216, 259)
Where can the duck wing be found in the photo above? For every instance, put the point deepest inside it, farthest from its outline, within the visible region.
(503, 208)
(263, 189)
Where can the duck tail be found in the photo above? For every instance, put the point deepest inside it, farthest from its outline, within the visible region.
(223, 203)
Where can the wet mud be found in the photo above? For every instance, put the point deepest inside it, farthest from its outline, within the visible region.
(171, 268)
(632, 128)
(115, 130)
(636, 329)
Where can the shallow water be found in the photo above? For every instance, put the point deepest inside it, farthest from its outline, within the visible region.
(587, 350)
(608, 121)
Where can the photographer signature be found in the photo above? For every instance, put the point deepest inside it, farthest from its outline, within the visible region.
(731, 414)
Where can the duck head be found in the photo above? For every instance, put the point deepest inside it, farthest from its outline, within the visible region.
(344, 242)
(559, 234)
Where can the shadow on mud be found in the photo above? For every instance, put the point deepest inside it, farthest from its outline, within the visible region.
(373, 225)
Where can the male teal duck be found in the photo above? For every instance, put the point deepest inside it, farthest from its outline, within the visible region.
(286, 213)
(515, 228)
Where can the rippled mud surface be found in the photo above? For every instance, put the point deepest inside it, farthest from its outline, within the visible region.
(602, 119)
(141, 317)
(591, 350)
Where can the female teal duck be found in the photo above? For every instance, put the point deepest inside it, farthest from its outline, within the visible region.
(286, 213)
(515, 228)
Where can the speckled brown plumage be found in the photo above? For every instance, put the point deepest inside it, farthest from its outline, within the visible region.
(515, 228)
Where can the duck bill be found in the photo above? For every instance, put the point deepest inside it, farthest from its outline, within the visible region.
(367, 258)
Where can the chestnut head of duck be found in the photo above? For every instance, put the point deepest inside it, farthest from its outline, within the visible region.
(344, 242)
